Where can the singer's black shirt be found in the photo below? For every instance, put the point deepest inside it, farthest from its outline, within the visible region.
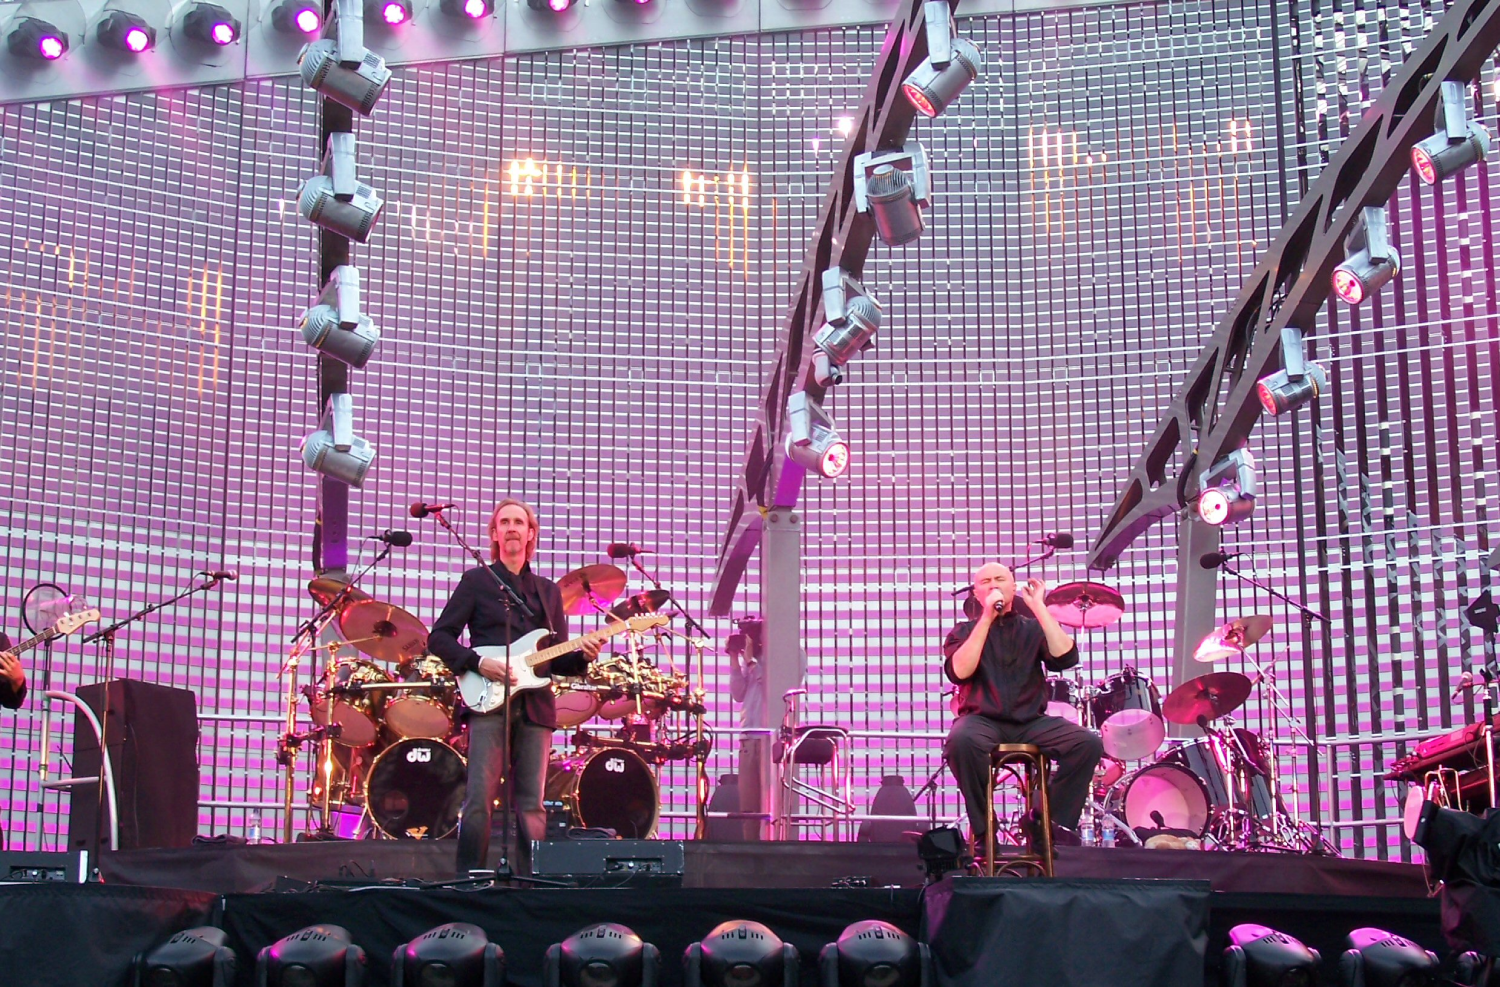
(1010, 681)
(10, 698)
(477, 604)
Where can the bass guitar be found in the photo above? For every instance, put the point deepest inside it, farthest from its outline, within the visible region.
(66, 624)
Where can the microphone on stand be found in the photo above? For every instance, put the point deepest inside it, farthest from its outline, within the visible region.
(1212, 560)
(219, 575)
(625, 550)
(397, 539)
(1056, 540)
(1465, 684)
(419, 509)
(1157, 818)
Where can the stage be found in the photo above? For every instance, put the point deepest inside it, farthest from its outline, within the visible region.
(1167, 912)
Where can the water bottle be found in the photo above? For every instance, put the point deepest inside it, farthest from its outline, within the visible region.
(1107, 832)
(1086, 831)
(252, 823)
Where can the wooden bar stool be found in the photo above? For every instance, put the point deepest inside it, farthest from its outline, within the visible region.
(1028, 765)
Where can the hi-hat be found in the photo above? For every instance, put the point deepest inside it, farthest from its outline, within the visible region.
(1085, 604)
(583, 588)
(1207, 697)
(646, 602)
(383, 630)
(325, 588)
(1234, 637)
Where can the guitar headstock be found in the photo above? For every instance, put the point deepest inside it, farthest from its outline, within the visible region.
(646, 621)
(70, 622)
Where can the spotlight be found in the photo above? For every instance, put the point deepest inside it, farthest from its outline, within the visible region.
(605, 955)
(297, 15)
(813, 440)
(457, 954)
(334, 324)
(195, 958)
(1262, 957)
(556, 6)
(633, 3)
(334, 450)
(1377, 958)
(1372, 260)
(853, 315)
(741, 954)
(894, 187)
(390, 12)
(1458, 143)
(125, 31)
(32, 37)
(211, 24)
(951, 64)
(943, 851)
(327, 71)
(317, 956)
(875, 954)
(1228, 489)
(473, 9)
(1298, 383)
(337, 200)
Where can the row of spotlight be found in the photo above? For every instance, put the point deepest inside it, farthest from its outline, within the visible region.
(124, 30)
(893, 187)
(459, 954)
(1228, 488)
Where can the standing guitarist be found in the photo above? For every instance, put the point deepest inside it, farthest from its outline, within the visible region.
(12, 676)
(494, 619)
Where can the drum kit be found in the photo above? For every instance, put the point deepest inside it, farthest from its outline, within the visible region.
(1220, 788)
(390, 745)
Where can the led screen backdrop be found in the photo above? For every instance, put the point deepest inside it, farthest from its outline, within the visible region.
(580, 276)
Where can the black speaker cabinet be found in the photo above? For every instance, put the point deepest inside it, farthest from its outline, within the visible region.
(152, 735)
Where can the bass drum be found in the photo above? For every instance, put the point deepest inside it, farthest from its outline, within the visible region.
(1162, 796)
(607, 789)
(415, 790)
(1206, 757)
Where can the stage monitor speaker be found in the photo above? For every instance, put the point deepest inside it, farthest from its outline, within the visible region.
(152, 735)
(654, 862)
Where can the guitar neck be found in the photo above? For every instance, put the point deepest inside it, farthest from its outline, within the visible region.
(32, 642)
(558, 650)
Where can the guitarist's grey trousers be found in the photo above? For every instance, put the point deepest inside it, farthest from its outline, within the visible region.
(529, 746)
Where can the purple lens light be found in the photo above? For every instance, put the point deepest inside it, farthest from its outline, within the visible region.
(393, 13)
(51, 47)
(307, 20)
(476, 8)
(137, 40)
(222, 33)
(559, 5)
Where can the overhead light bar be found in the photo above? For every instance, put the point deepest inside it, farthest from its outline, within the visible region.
(1298, 383)
(334, 450)
(1458, 143)
(893, 187)
(32, 37)
(335, 326)
(211, 24)
(1372, 261)
(813, 440)
(853, 315)
(337, 200)
(124, 31)
(951, 63)
(1227, 489)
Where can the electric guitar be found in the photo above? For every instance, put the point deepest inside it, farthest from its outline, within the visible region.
(66, 624)
(482, 695)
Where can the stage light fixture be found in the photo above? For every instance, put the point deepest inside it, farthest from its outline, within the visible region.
(304, 16)
(741, 954)
(211, 24)
(1227, 489)
(337, 200)
(348, 73)
(1458, 143)
(390, 12)
(1298, 383)
(943, 851)
(875, 954)
(472, 9)
(894, 187)
(125, 31)
(334, 325)
(32, 37)
(334, 450)
(194, 958)
(1377, 958)
(853, 315)
(604, 955)
(951, 63)
(1371, 262)
(317, 956)
(1259, 956)
(455, 955)
(813, 440)
(555, 6)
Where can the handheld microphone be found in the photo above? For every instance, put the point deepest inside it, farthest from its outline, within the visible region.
(1212, 560)
(1057, 540)
(397, 539)
(1156, 817)
(218, 575)
(625, 550)
(419, 509)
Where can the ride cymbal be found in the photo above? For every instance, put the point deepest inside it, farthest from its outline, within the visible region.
(383, 630)
(633, 606)
(593, 584)
(1085, 604)
(325, 588)
(1207, 697)
(1233, 638)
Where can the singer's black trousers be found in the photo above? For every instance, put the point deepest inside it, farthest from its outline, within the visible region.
(1074, 751)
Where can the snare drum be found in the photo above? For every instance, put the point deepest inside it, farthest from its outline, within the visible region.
(355, 712)
(609, 788)
(422, 712)
(416, 790)
(1127, 711)
(1163, 795)
(1064, 699)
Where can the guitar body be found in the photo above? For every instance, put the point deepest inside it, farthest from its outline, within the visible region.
(482, 695)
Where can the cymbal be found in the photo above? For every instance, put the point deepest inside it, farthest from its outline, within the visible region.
(633, 606)
(1234, 637)
(1085, 604)
(602, 582)
(1208, 696)
(383, 630)
(325, 588)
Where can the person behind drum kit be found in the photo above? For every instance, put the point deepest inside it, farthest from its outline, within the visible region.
(747, 686)
(12, 676)
(998, 663)
(492, 619)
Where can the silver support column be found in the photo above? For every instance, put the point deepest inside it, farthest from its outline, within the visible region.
(1197, 604)
(781, 602)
